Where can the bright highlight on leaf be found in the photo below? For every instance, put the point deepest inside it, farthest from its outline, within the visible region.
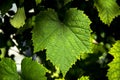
(8, 70)
(114, 70)
(65, 40)
(19, 19)
(32, 70)
(108, 10)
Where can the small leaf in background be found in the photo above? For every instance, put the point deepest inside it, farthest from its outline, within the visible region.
(21, 2)
(5, 5)
(8, 70)
(64, 41)
(38, 2)
(60, 79)
(2, 54)
(32, 70)
(114, 70)
(19, 19)
(108, 10)
(84, 78)
(67, 1)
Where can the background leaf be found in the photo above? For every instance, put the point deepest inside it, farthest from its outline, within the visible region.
(8, 70)
(84, 78)
(19, 19)
(114, 70)
(38, 1)
(108, 10)
(32, 70)
(65, 40)
(5, 5)
(67, 1)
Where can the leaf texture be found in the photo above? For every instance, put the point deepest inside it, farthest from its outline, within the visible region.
(65, 40)
(8, 70)
(108, 10)
(114, 70)
(32, 70)
(19, 19)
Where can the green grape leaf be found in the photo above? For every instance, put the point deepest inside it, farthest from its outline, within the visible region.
(5, 5)
(84, 78)
(32, 70)
(108, 10)
(8, 70)
(19, 19)
(65, 40)
(114, 70)
(67, 1)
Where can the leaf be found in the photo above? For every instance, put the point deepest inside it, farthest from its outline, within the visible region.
(84, 78)
(65, 40)
(38, 1)
(3, 51)
(108, 10)
(28, 24)
(19, 19)
(32, 70)
(21, 2)
(8, 70)
(5, 5)
(60, 79)
(67, 1)
(114, 70)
